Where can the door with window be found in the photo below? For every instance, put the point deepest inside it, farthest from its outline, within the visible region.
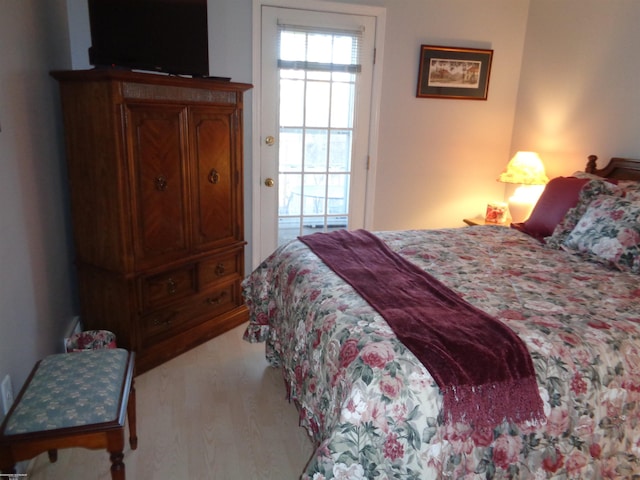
(316, 84)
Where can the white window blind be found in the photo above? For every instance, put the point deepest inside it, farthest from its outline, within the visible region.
(322, 50)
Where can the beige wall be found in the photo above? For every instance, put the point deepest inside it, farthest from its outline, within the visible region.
(579, 92)
(36, 293)
(439, 158)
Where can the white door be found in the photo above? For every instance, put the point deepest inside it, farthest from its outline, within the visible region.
(315, 119)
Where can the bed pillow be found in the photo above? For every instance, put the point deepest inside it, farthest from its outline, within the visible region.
(609, 232)
(631, 189)
(591, 176)
(589, 192)
(558, 196)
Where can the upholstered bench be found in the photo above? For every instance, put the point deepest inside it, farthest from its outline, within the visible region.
(73, 400)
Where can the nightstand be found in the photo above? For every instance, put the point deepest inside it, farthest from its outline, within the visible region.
(481, 221)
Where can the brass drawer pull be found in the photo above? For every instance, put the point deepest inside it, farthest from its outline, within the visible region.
(162, 321)
(214, 176)
(172, 286)
(216, 300)
(219, 271)
(161, 183)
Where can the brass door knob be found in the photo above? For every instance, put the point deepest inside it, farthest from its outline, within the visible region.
(269, 182)
(270, 140)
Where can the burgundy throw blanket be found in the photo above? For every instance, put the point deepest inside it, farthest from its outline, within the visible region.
(482, 367)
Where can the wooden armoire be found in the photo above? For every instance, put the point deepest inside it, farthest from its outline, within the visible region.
(155, 174)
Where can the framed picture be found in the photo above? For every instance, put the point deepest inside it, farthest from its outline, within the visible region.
(448, 72)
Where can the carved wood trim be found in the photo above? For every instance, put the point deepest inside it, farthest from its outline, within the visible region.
(617, 168)
(139, 91)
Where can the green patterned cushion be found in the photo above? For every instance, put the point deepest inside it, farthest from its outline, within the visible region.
(71, 390)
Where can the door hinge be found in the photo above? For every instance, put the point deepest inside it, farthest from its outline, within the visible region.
(375, 51)
(368, 161)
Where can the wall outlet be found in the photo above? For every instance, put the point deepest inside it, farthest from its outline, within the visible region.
(7, 394)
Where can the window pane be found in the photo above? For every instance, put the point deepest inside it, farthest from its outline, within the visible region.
(313, 193)
(315, 75)
(289, 198)
(294, 74)
(343, 77)
(312, 223)
(336, 223)
(343, 50)
(315, 150)
(340, 151)
(292, 45)
(342, 105)
(290, 154)
(318, 101)
(338, 194)
(319, 48)
(291, 102)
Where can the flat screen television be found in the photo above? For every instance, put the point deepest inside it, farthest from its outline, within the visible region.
(167, 36)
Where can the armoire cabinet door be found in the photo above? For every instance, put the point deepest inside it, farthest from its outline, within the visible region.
(215, 179)
(158, 158)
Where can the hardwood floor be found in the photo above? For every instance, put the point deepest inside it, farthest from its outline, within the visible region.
(218, 412)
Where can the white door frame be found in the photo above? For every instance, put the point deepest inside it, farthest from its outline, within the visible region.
(317, 5)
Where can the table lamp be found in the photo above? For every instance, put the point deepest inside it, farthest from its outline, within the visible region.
(527, 170)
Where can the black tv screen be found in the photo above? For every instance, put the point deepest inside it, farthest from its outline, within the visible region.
(159, 35)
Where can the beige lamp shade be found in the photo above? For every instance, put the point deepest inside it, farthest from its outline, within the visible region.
(524, 168)
(527, 170)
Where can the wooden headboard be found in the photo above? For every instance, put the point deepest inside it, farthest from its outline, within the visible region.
(618, 168)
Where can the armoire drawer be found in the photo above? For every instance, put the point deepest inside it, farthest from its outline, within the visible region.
(167, 287)
(219, 268)
(176, 317)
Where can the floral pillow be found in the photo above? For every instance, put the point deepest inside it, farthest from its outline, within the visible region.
(631, 189)
(609, 232)
(590, 192)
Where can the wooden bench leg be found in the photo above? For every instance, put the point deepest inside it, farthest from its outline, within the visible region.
(115, 447)
(131, 414)
(117, 466)
(53, 455)
(7, 461)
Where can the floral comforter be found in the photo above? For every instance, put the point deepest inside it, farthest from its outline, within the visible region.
(373, 410)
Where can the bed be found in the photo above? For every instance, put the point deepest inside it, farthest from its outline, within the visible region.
(565, 281)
